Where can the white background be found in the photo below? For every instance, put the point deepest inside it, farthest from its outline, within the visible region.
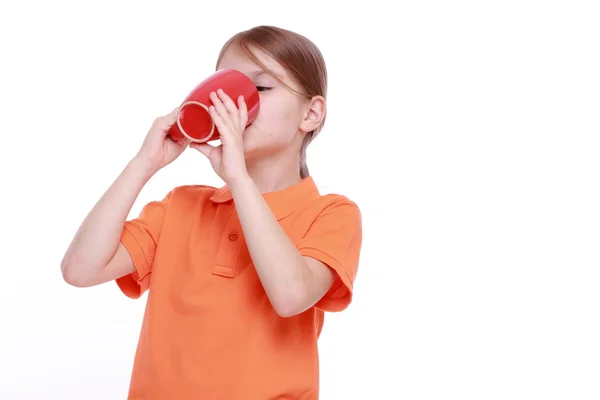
(468, 132)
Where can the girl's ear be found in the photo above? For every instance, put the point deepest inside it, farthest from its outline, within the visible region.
(314, 115)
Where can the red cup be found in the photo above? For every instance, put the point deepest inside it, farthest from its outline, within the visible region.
(193, 119)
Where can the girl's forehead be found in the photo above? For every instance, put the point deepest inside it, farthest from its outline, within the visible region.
(236, 58)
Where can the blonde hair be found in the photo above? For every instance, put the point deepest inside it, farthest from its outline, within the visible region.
(298, 55)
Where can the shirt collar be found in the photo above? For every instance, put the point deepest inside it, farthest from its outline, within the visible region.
(281, 202)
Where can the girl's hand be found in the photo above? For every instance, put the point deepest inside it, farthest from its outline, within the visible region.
(227, 159)
(158, 150)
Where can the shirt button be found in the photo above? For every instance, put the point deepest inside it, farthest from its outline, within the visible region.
(233, 236)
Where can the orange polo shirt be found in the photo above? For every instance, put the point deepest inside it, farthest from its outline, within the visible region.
(209, 330)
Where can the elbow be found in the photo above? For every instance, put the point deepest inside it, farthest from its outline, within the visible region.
(68, 276)
(71, 275)
(290, 304)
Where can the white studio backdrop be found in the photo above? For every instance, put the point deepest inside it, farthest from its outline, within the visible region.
(468, 132)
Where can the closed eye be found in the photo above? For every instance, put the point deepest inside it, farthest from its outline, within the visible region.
(262, 88)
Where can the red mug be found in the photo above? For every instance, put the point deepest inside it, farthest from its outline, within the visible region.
(193, 119)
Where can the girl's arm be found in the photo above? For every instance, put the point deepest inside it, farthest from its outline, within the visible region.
(96, 255)
(292, 282)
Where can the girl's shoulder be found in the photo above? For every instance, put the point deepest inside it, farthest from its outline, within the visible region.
(335, 200)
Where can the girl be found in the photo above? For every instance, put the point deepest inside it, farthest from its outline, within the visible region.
(238, 277)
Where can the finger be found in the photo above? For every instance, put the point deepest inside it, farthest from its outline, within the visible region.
(243, 112)
(219, 106)
(220, 122)
(229, 104)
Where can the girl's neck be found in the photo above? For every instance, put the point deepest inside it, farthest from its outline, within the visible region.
(274, 173)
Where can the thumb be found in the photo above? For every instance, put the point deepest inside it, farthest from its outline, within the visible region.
(203, 148)
(184, 142)
(166, 121)
(171, 118)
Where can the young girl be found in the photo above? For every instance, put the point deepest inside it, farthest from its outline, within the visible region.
(238, 277)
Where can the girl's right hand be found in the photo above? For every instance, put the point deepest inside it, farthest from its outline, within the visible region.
(158, 149)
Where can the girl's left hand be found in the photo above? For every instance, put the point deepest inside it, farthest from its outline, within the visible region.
(227, 159)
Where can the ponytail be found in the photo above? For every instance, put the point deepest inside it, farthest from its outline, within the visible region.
(305, 142)
(303, 167)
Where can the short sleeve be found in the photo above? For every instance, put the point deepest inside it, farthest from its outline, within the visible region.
(140, 237)
(335, 239)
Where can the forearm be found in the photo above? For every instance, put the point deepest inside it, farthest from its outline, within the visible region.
(280, 267)
(99, 234)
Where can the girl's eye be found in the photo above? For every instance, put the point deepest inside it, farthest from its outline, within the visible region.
(262, 88)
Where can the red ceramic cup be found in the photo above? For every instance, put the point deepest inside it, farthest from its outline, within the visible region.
(193, 119)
